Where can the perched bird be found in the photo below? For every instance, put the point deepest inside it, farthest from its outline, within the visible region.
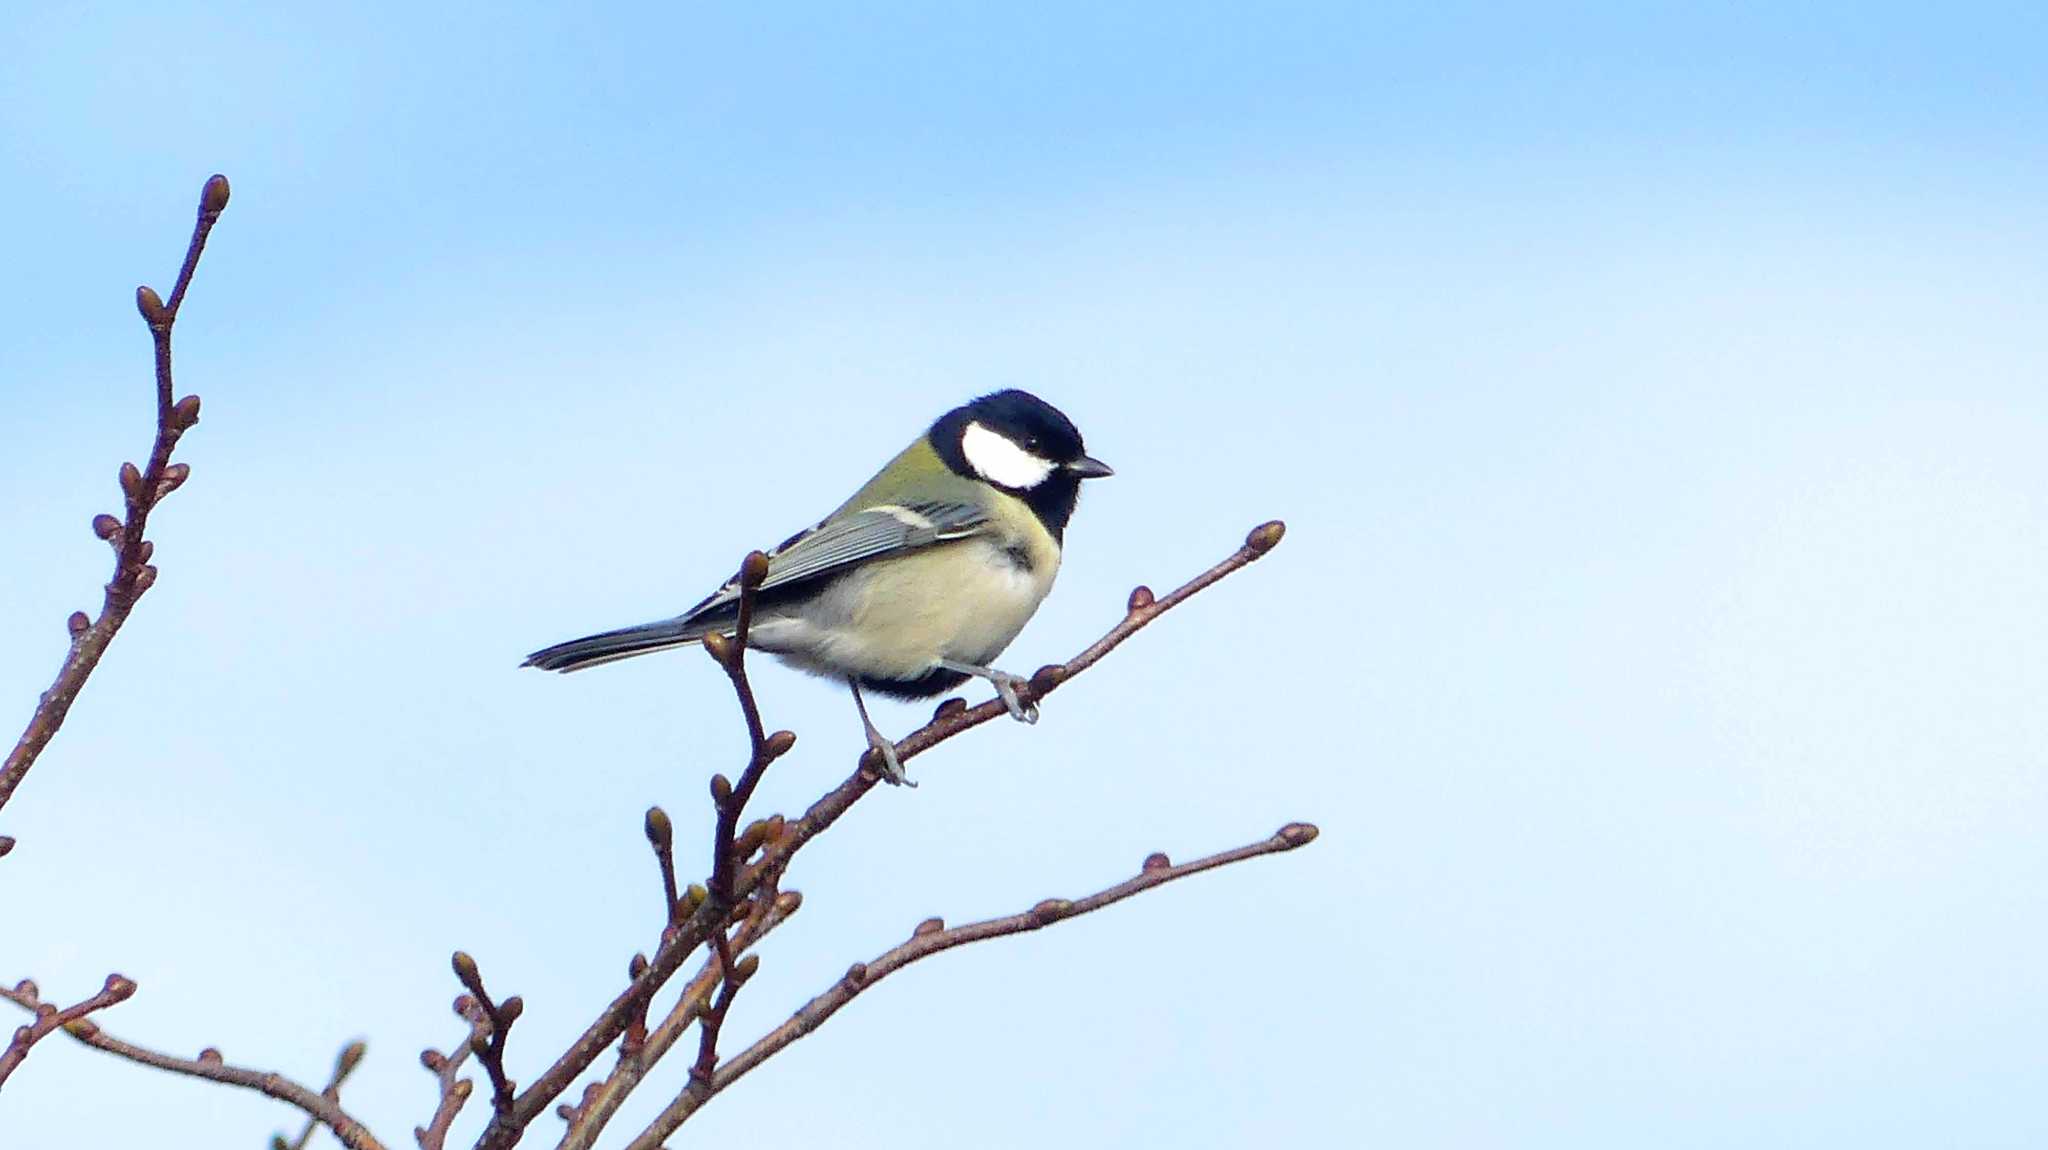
(917, 582)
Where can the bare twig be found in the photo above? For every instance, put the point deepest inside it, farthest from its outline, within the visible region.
(141, 491)
(49, 1018)
(345, 1064)
(212, 1068)
(661, 835)
(446, 1069)
(732, 798)
(951, 720)
(488, 1041)
(603, 1099)
(930, 938)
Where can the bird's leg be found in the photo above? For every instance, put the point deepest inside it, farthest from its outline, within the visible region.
(892, 767)
(1006, 688)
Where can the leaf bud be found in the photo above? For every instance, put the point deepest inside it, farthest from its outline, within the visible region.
(151, 305)
(660, 831)
(213, 198)
(1265, 537)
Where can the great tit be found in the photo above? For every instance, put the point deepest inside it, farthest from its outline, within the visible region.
(917, 582)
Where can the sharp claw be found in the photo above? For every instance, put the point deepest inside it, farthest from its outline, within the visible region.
(891, 767)
(1006, 687)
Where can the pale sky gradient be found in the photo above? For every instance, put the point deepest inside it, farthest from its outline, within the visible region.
(1657, 402)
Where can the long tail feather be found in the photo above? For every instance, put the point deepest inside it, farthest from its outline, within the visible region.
(623, 643)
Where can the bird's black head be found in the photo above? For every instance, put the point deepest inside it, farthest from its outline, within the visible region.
(1022, 444)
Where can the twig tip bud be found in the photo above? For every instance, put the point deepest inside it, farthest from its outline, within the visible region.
(1265, 537)
(1298, 834)
(213, 198)
(350, 1057)
(753, 570)
(118, 987)
(465, 969)
(721, 790)
(660, 831)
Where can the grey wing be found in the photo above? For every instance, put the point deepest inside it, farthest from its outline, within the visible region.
(841, 542)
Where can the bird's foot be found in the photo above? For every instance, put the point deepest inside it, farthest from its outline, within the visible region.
(1006, 689)
(887, 764)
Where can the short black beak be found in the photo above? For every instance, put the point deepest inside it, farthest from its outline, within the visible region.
(1089, 467)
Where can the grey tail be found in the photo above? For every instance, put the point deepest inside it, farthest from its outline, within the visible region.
(623, 643)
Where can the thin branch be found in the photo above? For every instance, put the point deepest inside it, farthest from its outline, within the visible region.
(732, 798)
(210, 1067)
(602, 1099)
(661, 835)
(345, 1064)
(712, 1024)
(141, 491)
(446, 1069)
(49, 1018)
(952, 720)
(488, 1041)
(930, 938)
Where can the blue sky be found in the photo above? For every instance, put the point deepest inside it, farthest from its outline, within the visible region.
(1655, 397)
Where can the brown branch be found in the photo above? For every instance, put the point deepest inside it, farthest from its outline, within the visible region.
(446, 1069)
(141, 492)
(488, 1041)
(951, 720)
(212, 1068)
(601, 1100)
(345, 1064)
(932, 937)
(49, 1018)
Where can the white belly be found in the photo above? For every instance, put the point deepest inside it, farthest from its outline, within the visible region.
(898, 618)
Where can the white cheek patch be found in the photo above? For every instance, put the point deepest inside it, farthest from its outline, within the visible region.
(1000, 461)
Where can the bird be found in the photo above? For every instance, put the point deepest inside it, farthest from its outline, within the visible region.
(919, 581)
